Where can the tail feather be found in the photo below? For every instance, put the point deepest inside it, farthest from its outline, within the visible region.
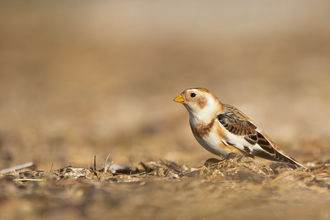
(277, 156)
(272, 152)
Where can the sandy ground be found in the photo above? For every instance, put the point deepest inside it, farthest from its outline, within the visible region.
(79, 79)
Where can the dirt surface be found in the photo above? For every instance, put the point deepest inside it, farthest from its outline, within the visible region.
(79, 79)
(234, 188)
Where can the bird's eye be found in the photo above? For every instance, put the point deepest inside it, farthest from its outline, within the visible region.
(192, 95)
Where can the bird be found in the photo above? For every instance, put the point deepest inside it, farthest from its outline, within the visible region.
(222, 129)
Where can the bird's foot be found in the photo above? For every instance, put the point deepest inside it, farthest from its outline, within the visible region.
(232, 156)
(212, 161)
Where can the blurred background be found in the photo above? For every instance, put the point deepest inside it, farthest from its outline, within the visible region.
(79, 79)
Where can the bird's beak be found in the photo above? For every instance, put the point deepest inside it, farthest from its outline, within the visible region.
(179, 99)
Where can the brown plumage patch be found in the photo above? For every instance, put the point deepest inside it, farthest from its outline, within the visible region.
(202, 102)
(221, 133)
(207, 91)
(204, 90)
(202, 130)
(195, 132)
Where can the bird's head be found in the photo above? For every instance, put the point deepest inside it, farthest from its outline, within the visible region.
(200, 103)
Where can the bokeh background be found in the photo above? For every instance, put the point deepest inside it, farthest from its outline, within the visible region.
(85, 78)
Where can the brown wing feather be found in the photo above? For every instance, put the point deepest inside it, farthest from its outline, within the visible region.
(238, 123)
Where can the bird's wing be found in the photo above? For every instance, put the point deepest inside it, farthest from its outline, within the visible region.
(257, 143)
(236, 122)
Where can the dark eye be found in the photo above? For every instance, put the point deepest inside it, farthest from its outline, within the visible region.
(192, 95)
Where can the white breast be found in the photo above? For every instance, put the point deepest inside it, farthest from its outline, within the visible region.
(211, 144)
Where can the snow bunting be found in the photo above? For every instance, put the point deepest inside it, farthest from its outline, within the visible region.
(223, 129)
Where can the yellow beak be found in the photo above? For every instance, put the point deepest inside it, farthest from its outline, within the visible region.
(179, 99)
